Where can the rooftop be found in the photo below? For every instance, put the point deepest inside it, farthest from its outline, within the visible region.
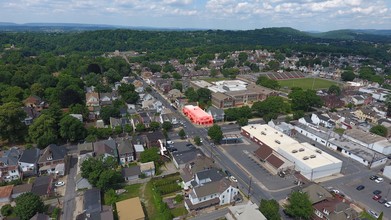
(357, 149)
(5, 191)
(130, 209)
(195, 110)
(365, 137)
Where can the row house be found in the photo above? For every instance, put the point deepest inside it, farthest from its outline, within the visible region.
(367, 114)
(28, 161)
(9, 167)
(53, 160)
(125, 151)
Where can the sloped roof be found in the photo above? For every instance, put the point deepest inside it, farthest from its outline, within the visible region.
(246, 212)
(57, 152)
(263, 152)
(317, 193)
(125, 146)
(275, 161)
(131, 171)
(5, 191)
(30, 155)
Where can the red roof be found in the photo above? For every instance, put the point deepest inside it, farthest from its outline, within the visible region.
(263, 152)
(275, 161)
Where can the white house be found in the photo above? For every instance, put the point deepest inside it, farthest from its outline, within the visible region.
(322, 120)
(28, 161)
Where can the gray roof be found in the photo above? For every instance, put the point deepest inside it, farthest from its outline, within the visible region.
(105, 146)
(30, 155)
(40, 216)
(41, 185)
(213, 173)
(125, 147)
(155, 136)
(10, 157)
(184, 157)
(131, 171)
(57, 152)
(215, 111)
(92, 201)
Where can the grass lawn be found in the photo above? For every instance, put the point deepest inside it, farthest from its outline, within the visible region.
(132, 191)
(151, 201)
(176, 212)
(306, 83)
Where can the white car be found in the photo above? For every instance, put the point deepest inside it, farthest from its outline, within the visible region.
(379, 180)
(170, 142)
(336, 191)
(374, 214)
(233, 179)
(387, 204)
(59, 184)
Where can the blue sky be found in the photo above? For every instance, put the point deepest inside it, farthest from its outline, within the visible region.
(313, 15)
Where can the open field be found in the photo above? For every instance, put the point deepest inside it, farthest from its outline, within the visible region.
(307, 83)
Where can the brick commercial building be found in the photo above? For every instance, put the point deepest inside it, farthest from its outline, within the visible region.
(197, 115)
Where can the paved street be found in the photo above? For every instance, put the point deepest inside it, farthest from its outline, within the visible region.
(212, 215)
(70, 193)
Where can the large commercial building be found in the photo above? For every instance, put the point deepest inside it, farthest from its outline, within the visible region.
(197, 115)
(309, 160)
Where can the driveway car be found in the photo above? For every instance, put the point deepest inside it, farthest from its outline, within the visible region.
(360, 187)
(379, 180)
(387, 204)
(376, 197)
(60, 183)
(376, 192)
(373, 177)
(233, 179)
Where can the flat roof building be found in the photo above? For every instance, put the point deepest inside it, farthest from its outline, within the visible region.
(197, 115)
(309, 160)
(369, 140)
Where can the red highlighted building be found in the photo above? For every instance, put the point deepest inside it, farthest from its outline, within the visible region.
(197, 115)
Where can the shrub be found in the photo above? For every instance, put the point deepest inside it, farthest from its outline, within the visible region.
(6, 210)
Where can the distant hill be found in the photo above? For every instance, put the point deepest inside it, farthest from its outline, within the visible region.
(360, 35)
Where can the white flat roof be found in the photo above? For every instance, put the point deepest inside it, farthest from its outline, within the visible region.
(281, 142)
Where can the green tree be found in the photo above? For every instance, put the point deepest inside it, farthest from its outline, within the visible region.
(11, 126)
(12, 94)
(151, 154)
(197, 140)
(6, 210)
(298, 114)
(109, 111)
(229, 64)
(299, 205)
(167, 125)
(177, 85)
(334, 89)
(112, 76)
(191, 94)
(213, 73)
(72, 129)
(43, 131)
(101, 172)
(270, 209)
(242, 57)
(36, 89)
(204, 95)
(111, 197)
(304, 99)
(268, 83)
(154, 126)
(79, 109)
(242, 121)
(379, 130)
(128, 128)
(271, 105)
(388, 105)
(140, 127)
(273, 64)
(27, 205)
(176, 76)
(182, 133)
(380, 216)
(108, 178)
(348, 75)
(215, 133)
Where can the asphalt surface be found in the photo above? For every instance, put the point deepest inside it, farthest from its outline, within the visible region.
(212, 215)
(69, 201)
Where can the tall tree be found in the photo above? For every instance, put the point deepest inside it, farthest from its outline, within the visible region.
(270, 209)
(72, 129)
(304, 99)
(12, 127)
(268, 83)
(215, 133)
(107, 112)
(299, 205)
(101, 172)
(348, 75)
(334, 89)
(27, 205)
(43, 131)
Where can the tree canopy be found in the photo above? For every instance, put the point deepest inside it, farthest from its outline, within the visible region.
(215, 133)
(299, 205)
(269, 83)
(270, 209)
(12, 127)
(379, 130)
(27, 205)
(72, 129)
(304, 99)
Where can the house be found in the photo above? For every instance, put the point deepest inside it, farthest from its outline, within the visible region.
(106, 148)
(125, 151)
(200, 163)
(333, 208)
(9, 167)
(92, 207)
(211, 193)
(131, 173)
(40, 216)
(322, 120)
(5, 193)
(367, 114)
(20, 189)
(106, 98)
(28, 161)
(317, 193)
(148, 168)
(31, 114)
(332, 101)
(357, 100)
(174, 94)
(81, 182)
(92, 100)
(154, 139)
(217, 114)
(119, 122)
(130, 209)
(168, 115)
(42, 186)
(53, 160)
(180, 159)
(244, 212)
(85, 148)
(145, 119)
(35, 102)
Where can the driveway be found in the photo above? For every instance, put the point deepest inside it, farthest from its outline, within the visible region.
(70, 194)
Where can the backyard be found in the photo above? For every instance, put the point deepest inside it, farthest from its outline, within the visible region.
(307, 83)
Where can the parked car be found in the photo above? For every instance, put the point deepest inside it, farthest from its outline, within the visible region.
(373, 213)
(233, 179)
(360, 187)
(170, 142)
(379, 180)
(373, 177)
(228, 173)
(382, 201)
(173, 150)
(376, 197)
(376, 192)
(60, 183)
(387, 204)
(335, 191)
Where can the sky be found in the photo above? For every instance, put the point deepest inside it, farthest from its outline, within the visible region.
(306, 15)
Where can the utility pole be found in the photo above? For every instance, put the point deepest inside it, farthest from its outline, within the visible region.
(249, 188)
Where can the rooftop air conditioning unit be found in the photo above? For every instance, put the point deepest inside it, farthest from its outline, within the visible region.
(318, 151)
(263, 133)
(313, 156)
(301, 149)
(294, 151)
(306, 158)
(277, 141)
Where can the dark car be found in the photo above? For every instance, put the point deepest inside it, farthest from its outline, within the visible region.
(376, 197)
(189, 145)
(373, 177)
(360, 187)
(376, 192)
(382, 201)
(173, 149)
(228, 173)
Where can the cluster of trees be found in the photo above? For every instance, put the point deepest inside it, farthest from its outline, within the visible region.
(202, 96)
(101, 172)
(26, 206)
(241, 115)
(268, 83)
(304, 100)
(271, 108)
